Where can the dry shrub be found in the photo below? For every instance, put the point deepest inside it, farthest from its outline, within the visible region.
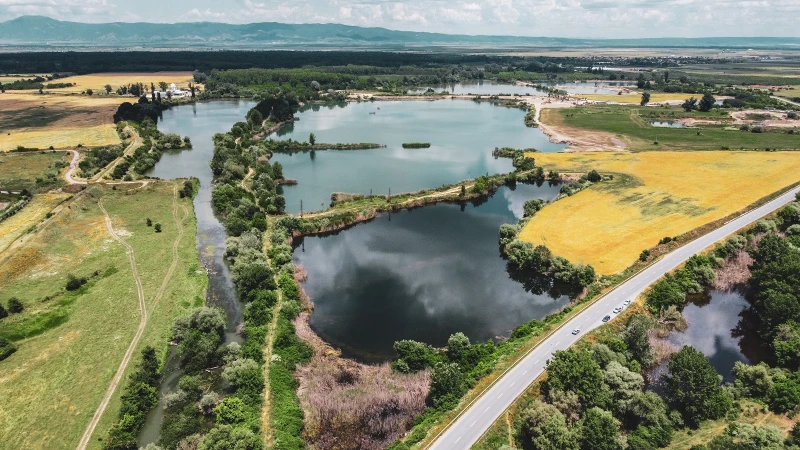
(300, 273)
(662, 348)
(350, 405)
(735, 273)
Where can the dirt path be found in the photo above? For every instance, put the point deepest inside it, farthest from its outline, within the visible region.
(250, 172)
(135, 143)
(72, 166)
(87, 434)
(175, 245)
(266, 410)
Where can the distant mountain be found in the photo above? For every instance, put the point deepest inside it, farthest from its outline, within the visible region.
(40, 31)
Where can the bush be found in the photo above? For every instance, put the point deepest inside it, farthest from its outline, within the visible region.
(15, 306)
(594, 176)
(74, 283)
(6, 348)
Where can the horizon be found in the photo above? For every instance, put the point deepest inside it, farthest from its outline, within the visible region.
(577, 19)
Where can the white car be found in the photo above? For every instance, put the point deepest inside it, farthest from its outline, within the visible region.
(576, 331)
(627, 302)
(617, 310)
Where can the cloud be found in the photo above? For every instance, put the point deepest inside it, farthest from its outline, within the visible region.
(557, 18)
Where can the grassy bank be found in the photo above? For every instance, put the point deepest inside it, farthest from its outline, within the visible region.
(656, 195)
(45, 390)
(32, 170)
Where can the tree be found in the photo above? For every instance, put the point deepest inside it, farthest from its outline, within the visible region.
(3, 312)
(707, 102)
(447, 384)
(785, 392)
(640, 81)
(664, 293)
(149, 222)
(637, 340)
(158, 228)
(786, 345)
(226, 437)
(312, 139)
(645, 98)
(231, 411)
(625, 386)
(108, 88)
(666, 76)
(694, 386)
(690, 104)
(15, 306)
(599, 431)
(457, 344)
(543, 427)
(577, 371)
(163, 85)
(594, 176)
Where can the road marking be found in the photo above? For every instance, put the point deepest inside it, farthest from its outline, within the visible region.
(501, 394)
(511, 384)
(487, 408)
(457, 440)
(473, 423)
(524, 372)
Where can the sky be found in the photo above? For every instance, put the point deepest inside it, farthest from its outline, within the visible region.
(551, 18)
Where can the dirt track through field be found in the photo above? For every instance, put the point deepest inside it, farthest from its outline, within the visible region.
(87, 434)
(112, 387)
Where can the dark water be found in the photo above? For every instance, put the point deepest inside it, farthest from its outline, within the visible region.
(423, 274)
(721, 327)
(462, 135)
(484, 87)
(200, 122)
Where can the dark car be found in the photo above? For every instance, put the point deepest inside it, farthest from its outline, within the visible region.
(606, 318)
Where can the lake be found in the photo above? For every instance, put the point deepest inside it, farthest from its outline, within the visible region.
(481, 88)
(462, 134)
(667, 125)
(594, 87)
(423, 274)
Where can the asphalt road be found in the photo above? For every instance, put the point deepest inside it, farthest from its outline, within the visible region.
(480, 415)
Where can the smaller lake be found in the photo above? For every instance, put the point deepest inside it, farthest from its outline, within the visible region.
(480, 88)
(594, 87)
(720, 326)
(462, 134)
(423, 274)
(667, 125)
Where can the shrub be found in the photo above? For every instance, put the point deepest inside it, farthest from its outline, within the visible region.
(74, 283)
(15, 306)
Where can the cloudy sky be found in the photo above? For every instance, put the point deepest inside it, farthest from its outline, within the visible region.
(557, 18)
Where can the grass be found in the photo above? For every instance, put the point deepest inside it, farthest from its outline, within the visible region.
(655, 97)
(789, 93)
(631, 125)
(52, 385)
(60, 121)
(97, 81)
(30, 216)
(20, 170)
(653, 195)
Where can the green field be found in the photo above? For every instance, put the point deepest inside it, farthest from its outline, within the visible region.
(32, 171)
(632, 125)
(71, 343)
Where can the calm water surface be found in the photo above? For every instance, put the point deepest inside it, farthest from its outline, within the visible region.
(423, 274)
(480, 88)
(667, 125)
(462, 135)
(200, 122)
(721, 327)
(594, 87)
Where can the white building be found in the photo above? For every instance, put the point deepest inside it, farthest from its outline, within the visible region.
(174, 92)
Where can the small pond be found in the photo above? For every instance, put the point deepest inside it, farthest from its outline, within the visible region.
(423, 274)
(462, 134)
(720, 326)
(667, 125)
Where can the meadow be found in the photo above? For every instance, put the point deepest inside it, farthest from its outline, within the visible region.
(30, 216)
(653, 195)
(631, 125)
(21, 170)
(71, 342)
(58, 121)
(635, 98)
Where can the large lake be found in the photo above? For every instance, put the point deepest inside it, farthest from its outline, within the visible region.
(481, 88)
(462, 134)
(423, 274)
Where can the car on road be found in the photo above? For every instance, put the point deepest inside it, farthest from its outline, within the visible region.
(617, 310)
(627, 302)
(606, 318)
(576, 331)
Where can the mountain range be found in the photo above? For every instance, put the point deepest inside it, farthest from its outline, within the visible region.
(40, 31)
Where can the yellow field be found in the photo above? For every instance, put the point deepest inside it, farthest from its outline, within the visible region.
(18, 224)
(655, 97)
(97, 81)
(653, 195)
(61, 121)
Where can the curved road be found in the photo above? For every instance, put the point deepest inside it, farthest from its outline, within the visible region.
(72, 165)
(479, 416)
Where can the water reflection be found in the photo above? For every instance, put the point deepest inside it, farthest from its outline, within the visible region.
(427, 274)
(462, 136)
(484, 87)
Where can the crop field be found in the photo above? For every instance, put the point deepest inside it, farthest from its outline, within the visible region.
(60, 121)
(71, 342)
(631, 125)
(97, 81)
(653, 195)
(21, 170)
(31, 215)
(655, 97)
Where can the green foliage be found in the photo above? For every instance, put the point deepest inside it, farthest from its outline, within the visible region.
(707, 102)
(139, 397)
(784, 396)
(245, 376)
(576, 371)
(787, 345)
(200, 335)
(775, 283)
(599, 431)
(231, 411)
(645, 98)
(413, 356)
(226, 437)
(543, 427)
(7, 348)
(694, 386)
(15, 306)
(447, 385)
(533, 206)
